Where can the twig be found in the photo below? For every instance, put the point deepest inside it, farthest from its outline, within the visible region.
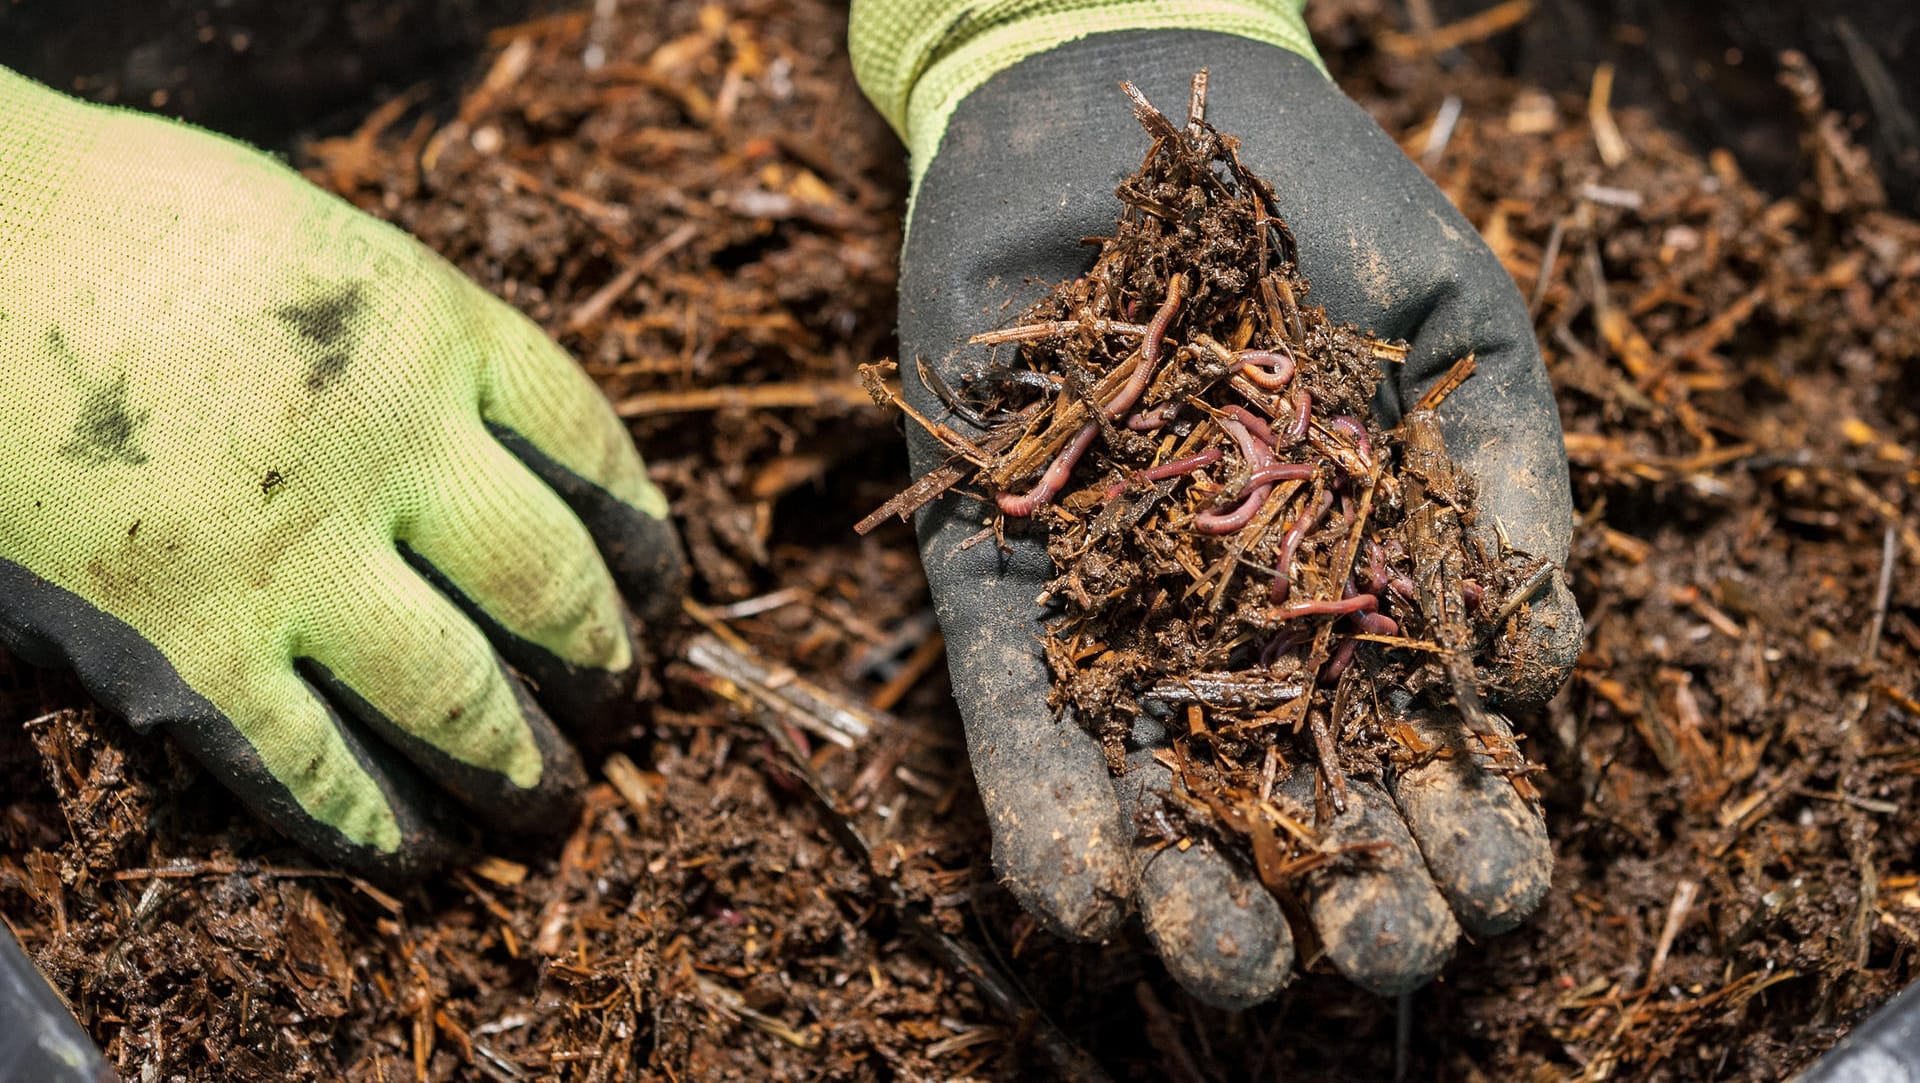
(880, 392)
(1441, 132)
(1153, 120)
(941, 478)
(1027, 332)
(1455, 376)
(784, 692)
(1528, 587)
(1889, 546)
(596, 306)
(1606, 134)
(753, 607)
(1224, 690)
(1163, 1033)
(1683, 895)
(1440, 39)
(195, 869)
(1197, 103)
(930, 651)
(808, 395)
(1548, 258)
(726, 1002)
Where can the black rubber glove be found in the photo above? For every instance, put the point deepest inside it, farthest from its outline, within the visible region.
(39, 1040)
(1026, 169)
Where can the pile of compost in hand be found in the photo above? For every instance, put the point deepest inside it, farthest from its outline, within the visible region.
(1240, 548)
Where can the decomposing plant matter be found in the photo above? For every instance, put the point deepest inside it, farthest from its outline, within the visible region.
(1241, 550)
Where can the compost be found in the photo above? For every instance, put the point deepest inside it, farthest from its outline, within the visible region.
(698, 203)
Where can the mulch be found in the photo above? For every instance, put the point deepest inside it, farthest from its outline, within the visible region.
(787, 876)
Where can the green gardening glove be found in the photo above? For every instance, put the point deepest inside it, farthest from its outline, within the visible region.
(279, 480)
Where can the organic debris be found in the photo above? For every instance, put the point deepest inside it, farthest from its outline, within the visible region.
(1239, 548)
(1733, 768)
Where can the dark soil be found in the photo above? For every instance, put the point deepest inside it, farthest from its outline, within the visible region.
(709, 219)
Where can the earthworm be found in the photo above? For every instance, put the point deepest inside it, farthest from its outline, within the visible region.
(1376, 568)
(1169, 469)
(1176, 467)
(1022, 505)
(1273, 472)
(1256, 451)
(1290, 544)
(1257, 455)
(1400, 585)
(1271, 369)
(1370, 622)
(1136, 384)
(1338, 662)
(1341, 608)
(1378, 624)
(1282, 642)
(1055, 478)
(1302, 415)
(1150, 420)
(1254, 424)
(1370, 619)
(1226, 522)
(1389, 551)
(1353, 428)
(1342, 655)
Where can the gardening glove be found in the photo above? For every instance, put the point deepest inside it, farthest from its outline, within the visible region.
(39, 1038)
(1018, 135)
(277, 479)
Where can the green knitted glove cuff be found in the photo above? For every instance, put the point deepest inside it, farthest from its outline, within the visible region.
(918, 61)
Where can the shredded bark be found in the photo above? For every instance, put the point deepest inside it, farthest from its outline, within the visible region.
(1730, 776)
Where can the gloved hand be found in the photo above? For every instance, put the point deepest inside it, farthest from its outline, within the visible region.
(1018, 135)
(276, 478)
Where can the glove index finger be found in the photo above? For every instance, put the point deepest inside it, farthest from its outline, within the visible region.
(316, 781)
(545, 410)
(1059, 841)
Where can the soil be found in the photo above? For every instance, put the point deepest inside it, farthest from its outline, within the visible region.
(708, 217)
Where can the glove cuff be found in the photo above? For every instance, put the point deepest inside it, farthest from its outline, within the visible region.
(918, 61)
(42, 133)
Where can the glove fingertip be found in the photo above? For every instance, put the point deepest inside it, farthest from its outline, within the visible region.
(1548, 635)
(1069, 869)
(1485, 844)
(1383, 924)
(1221, 934)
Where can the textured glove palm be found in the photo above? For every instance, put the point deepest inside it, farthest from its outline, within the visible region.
(270, 467)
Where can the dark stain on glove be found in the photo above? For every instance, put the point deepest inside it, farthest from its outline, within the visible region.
(329, 322)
